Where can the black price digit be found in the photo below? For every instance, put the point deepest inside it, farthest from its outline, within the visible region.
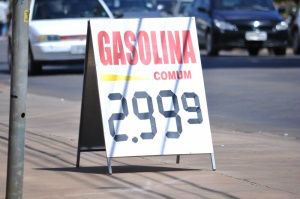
(195, 109)
(145, 116)
(149, 114)
(118, 116)
(171, 113)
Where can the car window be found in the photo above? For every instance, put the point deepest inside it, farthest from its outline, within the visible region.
(262, 5)
(130, 5)
(57, 9)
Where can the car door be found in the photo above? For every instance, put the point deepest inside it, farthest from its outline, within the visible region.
(204, 12)
(193, 12)
(200, 10)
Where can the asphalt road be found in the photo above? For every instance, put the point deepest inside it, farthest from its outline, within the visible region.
(247, 94)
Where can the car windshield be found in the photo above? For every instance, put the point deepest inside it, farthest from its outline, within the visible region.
(130, 5)
(58, 9)
(263, 5)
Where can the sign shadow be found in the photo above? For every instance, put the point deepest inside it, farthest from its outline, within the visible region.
(117, 169)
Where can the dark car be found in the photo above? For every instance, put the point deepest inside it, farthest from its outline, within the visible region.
(250, 24)
(133, 8)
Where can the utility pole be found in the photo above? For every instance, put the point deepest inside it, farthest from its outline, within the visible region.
(19, 76)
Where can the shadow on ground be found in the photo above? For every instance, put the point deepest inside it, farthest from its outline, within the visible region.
(117, 169)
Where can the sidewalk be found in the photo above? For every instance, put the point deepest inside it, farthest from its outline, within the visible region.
(249, 166)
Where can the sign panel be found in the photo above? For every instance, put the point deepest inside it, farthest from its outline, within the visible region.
(150, 86)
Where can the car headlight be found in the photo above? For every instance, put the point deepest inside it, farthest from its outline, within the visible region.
(281, 26)
(44, 38)
(222, 25)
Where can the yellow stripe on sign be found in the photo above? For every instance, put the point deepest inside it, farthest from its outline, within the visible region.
(109, 77)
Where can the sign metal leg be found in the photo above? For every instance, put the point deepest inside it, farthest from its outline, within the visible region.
(109, 166)
(213, 162)
(177, 159)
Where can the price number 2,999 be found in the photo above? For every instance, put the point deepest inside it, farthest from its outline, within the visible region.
(149, 114)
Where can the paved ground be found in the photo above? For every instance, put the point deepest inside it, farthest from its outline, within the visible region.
(249, 166)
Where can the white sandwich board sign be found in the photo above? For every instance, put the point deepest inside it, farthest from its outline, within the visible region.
(143, 92)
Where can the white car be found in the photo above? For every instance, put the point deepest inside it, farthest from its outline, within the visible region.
(296, 34)
(57, 31)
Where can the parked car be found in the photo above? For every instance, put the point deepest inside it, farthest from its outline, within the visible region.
(57, 31)
(250, 24)
(296, 34)
(133, 8)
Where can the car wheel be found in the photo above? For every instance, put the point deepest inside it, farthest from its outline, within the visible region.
(280, 51)
(211, 50)
(296, 43)
(253, 51)
(34, 67)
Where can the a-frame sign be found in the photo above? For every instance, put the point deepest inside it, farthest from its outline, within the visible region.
(143, 91)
